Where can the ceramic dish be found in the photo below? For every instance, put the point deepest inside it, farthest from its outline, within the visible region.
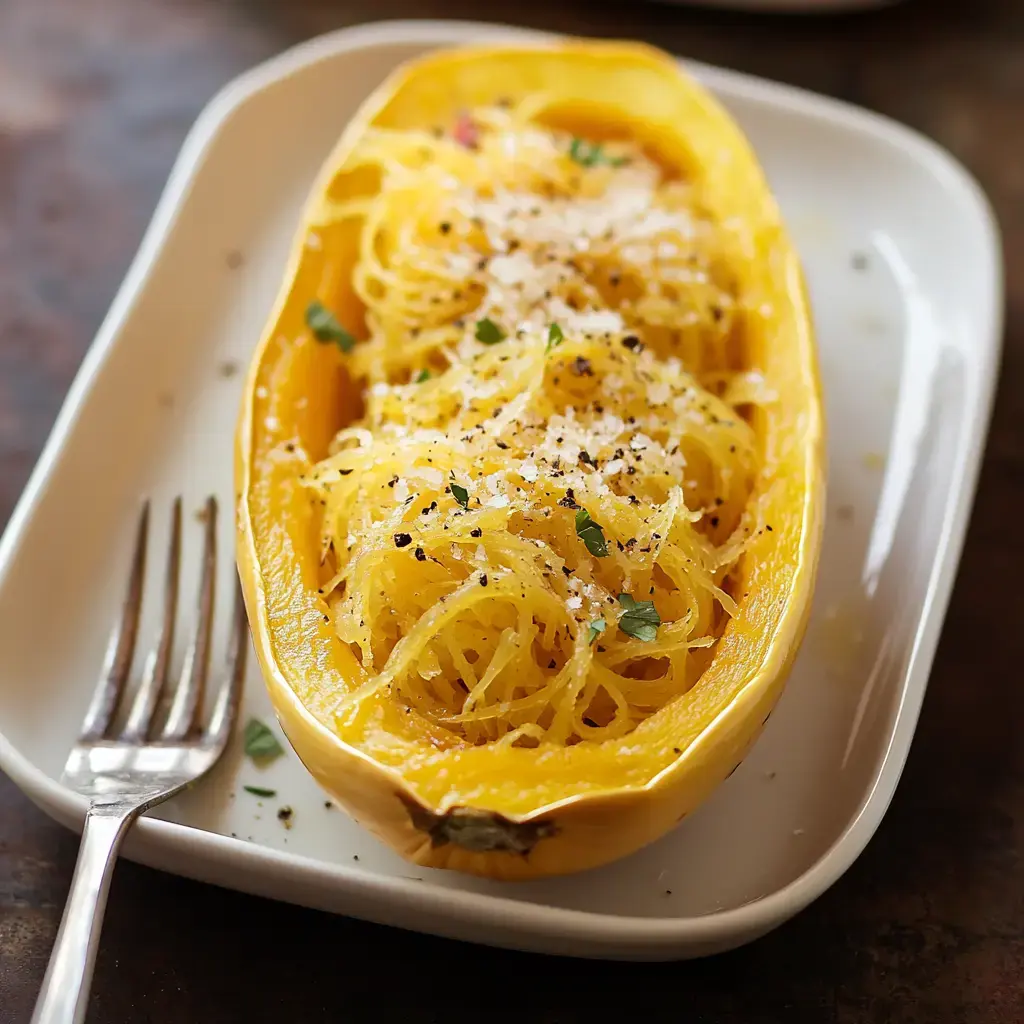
(902, 260)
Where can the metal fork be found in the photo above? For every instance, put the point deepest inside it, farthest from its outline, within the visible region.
(125, 771)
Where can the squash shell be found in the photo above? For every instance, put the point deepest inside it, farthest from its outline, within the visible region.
(528, 816)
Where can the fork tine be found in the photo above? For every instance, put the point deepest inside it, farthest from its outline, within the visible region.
(155, 670)
(121, 646)
(226, 709)
(188, 698)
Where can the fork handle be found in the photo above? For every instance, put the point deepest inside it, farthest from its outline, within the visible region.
(65, 993)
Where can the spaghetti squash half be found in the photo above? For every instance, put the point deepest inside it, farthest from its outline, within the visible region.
(530, 460)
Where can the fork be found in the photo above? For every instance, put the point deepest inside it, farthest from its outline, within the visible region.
(128, 769)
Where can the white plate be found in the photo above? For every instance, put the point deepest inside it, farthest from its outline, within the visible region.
(902, 257)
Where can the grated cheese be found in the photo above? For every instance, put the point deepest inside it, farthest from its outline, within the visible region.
(541, 473)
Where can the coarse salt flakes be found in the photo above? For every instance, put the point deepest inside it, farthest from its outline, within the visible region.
(659, 393)
(494, 482)
(597, 321)
(512, 268)
(431, 477)
(462, 264)
(574, 602)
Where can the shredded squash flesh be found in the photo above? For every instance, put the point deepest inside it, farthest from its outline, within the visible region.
(529, 530)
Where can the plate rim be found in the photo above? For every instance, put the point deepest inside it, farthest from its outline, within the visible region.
(492, 918)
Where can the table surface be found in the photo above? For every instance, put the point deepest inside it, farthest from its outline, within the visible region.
(95, 98)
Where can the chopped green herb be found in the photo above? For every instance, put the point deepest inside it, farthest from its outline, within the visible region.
(260, 742)
(555, 337)
(260, 791)
(591, 534)
(639, 619)
(461, 495)
(325, 327)
(421, 376)
(590, 154)
(595, 629)
(489, 332)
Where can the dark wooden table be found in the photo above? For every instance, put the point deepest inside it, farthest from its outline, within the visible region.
(95, 97)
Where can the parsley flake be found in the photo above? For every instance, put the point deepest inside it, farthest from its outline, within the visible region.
(639, 619)
(260, 791)
(595, 629)
(325, 327)
(260, 742)
(555, 337)
(421, 376)
(460, 494)
(591, 533)
(489, 332)
(590, 154)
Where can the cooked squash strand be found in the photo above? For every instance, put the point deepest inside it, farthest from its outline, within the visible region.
(535, 520)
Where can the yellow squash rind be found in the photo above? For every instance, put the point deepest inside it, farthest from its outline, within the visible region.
(587, 804)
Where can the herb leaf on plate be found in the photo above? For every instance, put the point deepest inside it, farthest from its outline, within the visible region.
(260, 791)
(260, 743)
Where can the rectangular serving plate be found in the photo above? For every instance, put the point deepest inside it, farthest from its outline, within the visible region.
(902, 259)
